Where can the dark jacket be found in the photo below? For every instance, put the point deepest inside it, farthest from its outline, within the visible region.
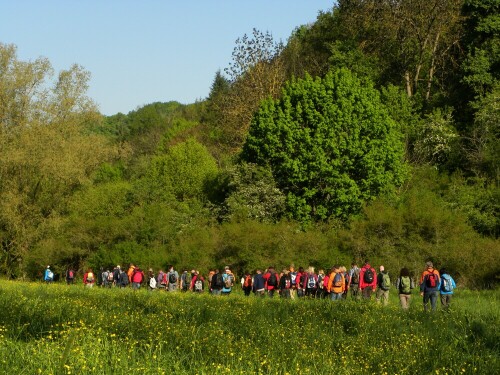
(258, 282)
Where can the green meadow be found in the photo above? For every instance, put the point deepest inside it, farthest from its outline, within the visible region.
(59, 329)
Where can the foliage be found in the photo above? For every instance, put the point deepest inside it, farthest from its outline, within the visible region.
(330, 144)
(47, 153)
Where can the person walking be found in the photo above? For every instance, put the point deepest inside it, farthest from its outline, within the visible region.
(354, 273)
(404, 285)
(429, 286)
(89, 278)
(259, 284)
(367, 280)
(48, 275)
(446, 288)
(336, 284)
(383, 284)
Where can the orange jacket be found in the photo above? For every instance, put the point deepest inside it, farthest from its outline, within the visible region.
(331, 285)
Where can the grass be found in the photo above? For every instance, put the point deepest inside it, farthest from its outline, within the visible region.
(56, 329)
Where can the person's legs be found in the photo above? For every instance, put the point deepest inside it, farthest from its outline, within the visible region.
(434, 298)
(427, 298)
(403, 298)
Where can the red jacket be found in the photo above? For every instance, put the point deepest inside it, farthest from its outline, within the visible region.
(362, 283)
(137, 276)
(266, 277)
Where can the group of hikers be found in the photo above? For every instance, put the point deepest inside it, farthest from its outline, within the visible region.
(336, 284)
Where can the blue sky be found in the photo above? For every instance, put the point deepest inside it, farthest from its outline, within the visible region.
(145, 51)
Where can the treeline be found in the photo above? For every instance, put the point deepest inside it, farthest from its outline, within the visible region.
(373, 132)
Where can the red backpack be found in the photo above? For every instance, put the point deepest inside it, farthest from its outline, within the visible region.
(248, 281)
(431, 281)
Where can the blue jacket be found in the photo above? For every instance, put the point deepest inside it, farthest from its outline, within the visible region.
(441, 284)
(48, 276)
(258, 282)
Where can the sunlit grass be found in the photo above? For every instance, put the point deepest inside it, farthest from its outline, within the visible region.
(57, 329)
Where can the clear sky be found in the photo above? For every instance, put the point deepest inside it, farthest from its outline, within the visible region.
(145, 51)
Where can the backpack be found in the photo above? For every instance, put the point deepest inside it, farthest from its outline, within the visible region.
(187, 281)
(272, 281)
(164, 279)
(90, 277)
(355, 276)
(431, 280)
(71, 274)
(110, 276)
(219, 282)
(337, 280)
(288, 283)
(248, 282)
(321, 281)
(198, 285)
(368, 276)
(311, 282)
(228, 283)
(293, 278)
(446, 285)
(172, 278)
(152, 283)
(50, 275)
(124, 278)
(405, 285)
(386, 281)
(302, 280)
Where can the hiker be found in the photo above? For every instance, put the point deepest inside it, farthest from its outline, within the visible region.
(137, 278)
(293, 278)
(285, 285)
(383, 284)
(151, 280)
(259, 284)
(311, 286)
(404, 285)
(198, 283)
(271, 279)
(429, 286)
(217, 283)
(48, 275)
(107, 279)
(367, 280)
(446, 288)
(172, 279)
(321, 284)
(70, 276)
(161, 280)
(228, 280)
(89, 278)
(116, 275)
(246, 283)
(354, 273)
(123, 279)
(186, 281)
(347, 281)
(130, 272)
(326, 294)
(301, 282)
(336, 284)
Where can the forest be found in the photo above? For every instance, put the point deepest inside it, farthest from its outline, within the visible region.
(371, 133)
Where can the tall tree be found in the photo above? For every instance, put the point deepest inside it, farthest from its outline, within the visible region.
(255, 73)
(46, 150)
(330, 144)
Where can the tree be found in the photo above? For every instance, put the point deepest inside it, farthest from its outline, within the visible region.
(47, 151)
(256, 73)
(184, 169)
(330, 144)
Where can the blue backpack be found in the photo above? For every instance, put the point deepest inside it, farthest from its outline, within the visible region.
(446, 284)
